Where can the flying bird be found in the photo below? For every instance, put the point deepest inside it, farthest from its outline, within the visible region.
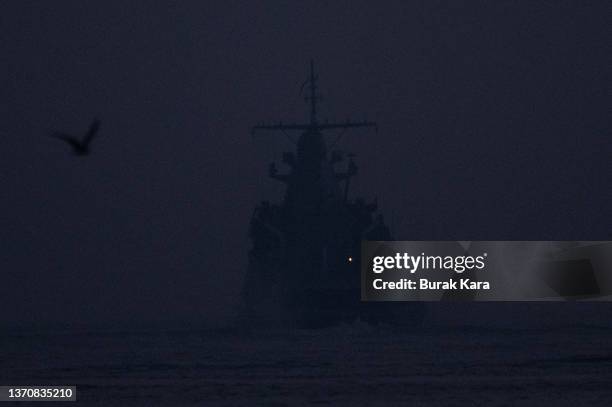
(80, 147)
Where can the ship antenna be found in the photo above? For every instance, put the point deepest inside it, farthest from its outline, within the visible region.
(313, 127)
(313, 98)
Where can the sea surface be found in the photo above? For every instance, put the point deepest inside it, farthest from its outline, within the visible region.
(349, 365)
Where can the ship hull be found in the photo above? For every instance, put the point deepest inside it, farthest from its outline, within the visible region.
(324, 308)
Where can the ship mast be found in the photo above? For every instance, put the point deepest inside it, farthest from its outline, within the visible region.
(313, 95)
(313, 127)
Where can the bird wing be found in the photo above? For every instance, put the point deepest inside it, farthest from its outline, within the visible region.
(67, 138)
(91, 133)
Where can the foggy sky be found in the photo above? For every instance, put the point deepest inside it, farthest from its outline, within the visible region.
(493, 124)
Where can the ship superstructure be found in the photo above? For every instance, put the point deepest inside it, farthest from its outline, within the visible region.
(304, 262)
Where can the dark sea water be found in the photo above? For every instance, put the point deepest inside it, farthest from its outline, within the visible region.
(348, 366)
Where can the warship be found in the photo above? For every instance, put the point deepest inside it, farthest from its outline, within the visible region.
(304, 262)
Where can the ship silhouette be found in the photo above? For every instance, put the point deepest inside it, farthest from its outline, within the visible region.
(304, 262)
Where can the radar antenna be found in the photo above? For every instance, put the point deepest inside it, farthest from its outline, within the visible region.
(313, 127)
